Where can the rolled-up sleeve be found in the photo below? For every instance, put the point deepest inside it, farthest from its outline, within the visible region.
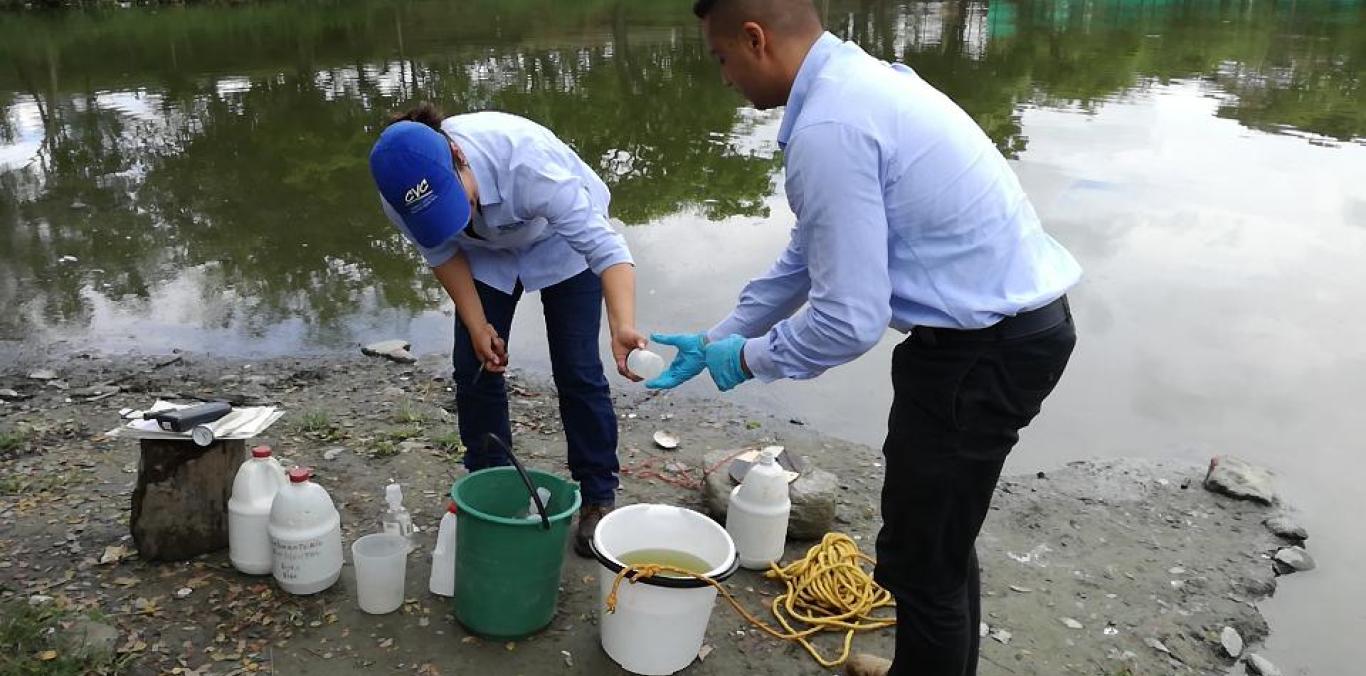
(835, 187)
(547, 189)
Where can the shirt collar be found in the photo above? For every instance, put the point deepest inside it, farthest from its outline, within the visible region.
(811, 67)
(482, 168)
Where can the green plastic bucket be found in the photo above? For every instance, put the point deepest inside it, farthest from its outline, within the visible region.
(507, 568)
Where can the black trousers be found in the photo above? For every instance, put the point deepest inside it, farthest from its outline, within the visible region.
(957, 410)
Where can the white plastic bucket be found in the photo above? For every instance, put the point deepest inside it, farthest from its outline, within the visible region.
(381, 563)
(660, 622)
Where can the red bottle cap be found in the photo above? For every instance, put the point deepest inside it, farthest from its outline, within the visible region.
(260, 452)
(451, 508)
(299, 475)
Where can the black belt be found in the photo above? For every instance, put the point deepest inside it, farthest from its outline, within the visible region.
(1011, 328)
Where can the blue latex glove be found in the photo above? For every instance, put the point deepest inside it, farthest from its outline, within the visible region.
(689, 361)
(724, 362)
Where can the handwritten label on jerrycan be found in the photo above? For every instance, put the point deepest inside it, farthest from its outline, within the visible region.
(305, 536)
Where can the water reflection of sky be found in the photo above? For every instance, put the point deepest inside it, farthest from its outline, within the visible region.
(28, 135)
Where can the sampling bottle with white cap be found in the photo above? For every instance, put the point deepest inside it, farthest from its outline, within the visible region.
(395, 519)
(305, 536)
(442, 581)
(253, 491)
(645, 363)
(758, 513)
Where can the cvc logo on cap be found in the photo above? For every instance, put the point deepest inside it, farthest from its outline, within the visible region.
(417, 192)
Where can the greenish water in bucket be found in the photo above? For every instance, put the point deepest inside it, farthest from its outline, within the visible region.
(507, 568)
(667, 557)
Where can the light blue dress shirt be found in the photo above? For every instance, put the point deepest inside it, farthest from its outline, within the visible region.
(542, 214)
(907, 215)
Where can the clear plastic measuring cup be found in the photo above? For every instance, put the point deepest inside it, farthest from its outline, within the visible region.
(381, 563)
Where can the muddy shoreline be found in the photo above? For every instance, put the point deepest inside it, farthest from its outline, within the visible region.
(1107, 567)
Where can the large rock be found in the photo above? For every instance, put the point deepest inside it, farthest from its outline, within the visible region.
(90, 638)
(1238, 478)
(1261, 666)
(394, 350)
(1231, 641)
(813, 497)
(1293, 560)
(1287, 528)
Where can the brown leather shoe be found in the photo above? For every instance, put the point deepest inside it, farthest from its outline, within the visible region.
(864, 664)
(589, 516)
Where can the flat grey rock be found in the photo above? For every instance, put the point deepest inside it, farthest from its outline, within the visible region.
(411, 446)
(11, 395)
(393, 350)
(1261, 666)
(1287, 528)
(1231, 641)
(91, 638)
(93, 391)
(42, 374)
(1157, 645)
(1294, 559)
(1237, 478)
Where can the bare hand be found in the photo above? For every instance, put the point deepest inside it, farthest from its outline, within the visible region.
(490, 348)
(625, 339)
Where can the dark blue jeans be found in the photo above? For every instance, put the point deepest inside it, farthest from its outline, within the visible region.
(573, 315)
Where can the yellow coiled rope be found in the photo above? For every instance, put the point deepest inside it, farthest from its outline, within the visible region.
(827, 590)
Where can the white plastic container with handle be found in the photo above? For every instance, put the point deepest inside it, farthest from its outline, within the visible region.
(305, 536)
(758, 513)
(253, 491)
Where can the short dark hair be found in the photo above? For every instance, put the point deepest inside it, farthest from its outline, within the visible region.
(784, 15)
(426, 112)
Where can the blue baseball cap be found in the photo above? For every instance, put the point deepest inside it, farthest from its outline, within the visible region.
(414, 171)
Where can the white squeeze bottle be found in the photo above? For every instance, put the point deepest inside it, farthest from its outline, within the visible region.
(757, 516)
(305, 536)
(396, 518)
(443, 556)
(253, 491)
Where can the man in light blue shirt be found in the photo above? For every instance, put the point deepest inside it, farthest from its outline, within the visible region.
(907, 217)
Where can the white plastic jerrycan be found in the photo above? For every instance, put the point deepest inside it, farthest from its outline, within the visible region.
(253, 491)
(757, 516)
(305, 536)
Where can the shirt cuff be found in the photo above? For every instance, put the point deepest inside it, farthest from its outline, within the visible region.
(759, 360)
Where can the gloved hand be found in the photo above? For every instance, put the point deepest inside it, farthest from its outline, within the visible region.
(724, 362)
(686, 364)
